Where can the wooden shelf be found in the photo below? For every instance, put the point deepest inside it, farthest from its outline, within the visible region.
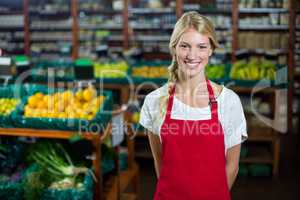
(151, 11)
(128, 197)
(260, 134)
(262, 10)
(258, 155)
(45, 133)
(127, 176)
(264, 28)
(210, 11)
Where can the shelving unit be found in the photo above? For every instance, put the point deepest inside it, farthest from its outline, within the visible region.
(100, 26)
(295, 45)
(112, 189)
(11, 28)
(55, 134)
(50, 25)
(149, 30)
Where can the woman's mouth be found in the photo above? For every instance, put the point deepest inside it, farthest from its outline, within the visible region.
(192, 64)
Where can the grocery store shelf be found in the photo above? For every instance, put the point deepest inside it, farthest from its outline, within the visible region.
(263, 28)
(101, 12)
(152, 38)
(145, 155)
(126, 176)
(212, 11)
(262, 134)
(258, 155)
(12, 28)
(42, 40)
(151, 11)
(249, 89)
(45, 133)
(50, 13)
(116, 38)
(51, 28)
(262, 51)
(97, 27)
(262, 10)
(150, 26)
(11, 12)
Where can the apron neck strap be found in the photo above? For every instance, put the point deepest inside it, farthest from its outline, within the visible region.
(212, 101)
(170, 102)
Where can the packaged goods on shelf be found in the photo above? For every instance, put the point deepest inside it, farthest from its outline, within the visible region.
(52, 24)
(263, 4)
(254, 40)
(11, 21)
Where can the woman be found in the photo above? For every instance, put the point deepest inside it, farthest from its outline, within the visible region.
(195, 127)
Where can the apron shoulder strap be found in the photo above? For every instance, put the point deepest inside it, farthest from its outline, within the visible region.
(212, 100)
(170, 102)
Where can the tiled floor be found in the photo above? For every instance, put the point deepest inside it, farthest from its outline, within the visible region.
(285, 187)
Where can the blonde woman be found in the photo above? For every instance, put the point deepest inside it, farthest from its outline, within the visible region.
(195, 127)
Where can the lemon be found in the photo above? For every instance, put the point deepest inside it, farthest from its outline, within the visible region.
(33, 101)
(79, 95)
(89, 94)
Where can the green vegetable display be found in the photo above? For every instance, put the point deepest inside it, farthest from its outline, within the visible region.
(215, 71)
(253, 70)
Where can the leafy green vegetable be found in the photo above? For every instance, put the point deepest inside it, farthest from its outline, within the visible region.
(53, 158)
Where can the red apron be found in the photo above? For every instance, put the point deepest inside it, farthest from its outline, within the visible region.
(193, 157)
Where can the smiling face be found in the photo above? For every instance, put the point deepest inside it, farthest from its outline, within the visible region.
(192, 53)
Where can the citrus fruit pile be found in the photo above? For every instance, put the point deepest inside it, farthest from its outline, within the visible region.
(83, 104)
(7, 105)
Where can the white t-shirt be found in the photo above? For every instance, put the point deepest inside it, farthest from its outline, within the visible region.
(230, 112)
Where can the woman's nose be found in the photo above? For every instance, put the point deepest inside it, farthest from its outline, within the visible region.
(192, 54)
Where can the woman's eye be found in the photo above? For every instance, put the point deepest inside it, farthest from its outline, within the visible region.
(203, 47)
(183, 46)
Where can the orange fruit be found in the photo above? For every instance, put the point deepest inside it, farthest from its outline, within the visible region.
(32, 102)
(41, 105)
(39, 95)
(89, 94)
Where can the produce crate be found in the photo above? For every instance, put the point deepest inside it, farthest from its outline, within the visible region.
(84, 193)
(223, 80)
(12, 190)
(84, 69)
(260, 170)
(142, 79)
(243, 170)
(63, 71)
(101, 118)
(111, 80)
(14, 91)
(279, 82)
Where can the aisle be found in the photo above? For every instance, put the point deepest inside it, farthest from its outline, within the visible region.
(285, 187)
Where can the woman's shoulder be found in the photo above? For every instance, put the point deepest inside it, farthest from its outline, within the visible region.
(224, 93)
(157, 93)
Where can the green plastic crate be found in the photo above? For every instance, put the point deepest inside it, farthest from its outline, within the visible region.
(243, 170)
(260, 170)
(101, 118)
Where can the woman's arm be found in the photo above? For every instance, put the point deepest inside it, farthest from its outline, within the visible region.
(232, 164)
(155, 145)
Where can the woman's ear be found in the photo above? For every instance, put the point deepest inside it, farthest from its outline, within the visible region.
(210, 52)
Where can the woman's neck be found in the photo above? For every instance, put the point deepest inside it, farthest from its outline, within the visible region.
(192, 85)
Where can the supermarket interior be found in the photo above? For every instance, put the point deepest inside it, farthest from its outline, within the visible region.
(74, 75)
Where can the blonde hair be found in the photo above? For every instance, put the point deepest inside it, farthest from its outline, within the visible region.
(188, 20)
